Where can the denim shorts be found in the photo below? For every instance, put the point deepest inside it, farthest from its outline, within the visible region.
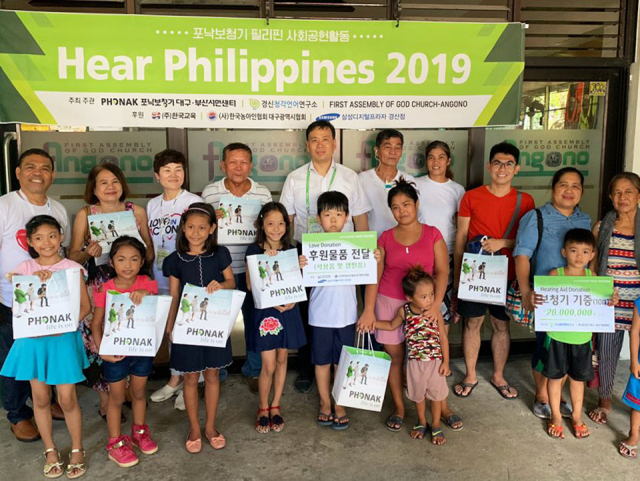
(130, 365)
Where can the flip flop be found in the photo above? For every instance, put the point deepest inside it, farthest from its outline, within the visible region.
(633, 450)
(339, 424)
(419, 428)
(392, 420)
(551, 426)
(452, 419)
(601, 414)
(437, 433)
(581, 431)
(502, 390)
(325, 422)
(465, 385)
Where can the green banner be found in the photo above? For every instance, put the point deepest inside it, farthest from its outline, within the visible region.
(134, 70)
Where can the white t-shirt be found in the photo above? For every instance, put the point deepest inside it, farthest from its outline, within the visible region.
(439, 205)
(380, 216)
(211, 195)
(164, 218)
(294, 194)
(333, 306)
(15, 212)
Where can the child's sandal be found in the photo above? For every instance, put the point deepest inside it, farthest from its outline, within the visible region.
(436, 433)
(263, 423)
(276, 423)
(551, 427)
(79, 468)
(581, 431)
(420, 430)
(629, 451)
(218, 442)
(49, 467)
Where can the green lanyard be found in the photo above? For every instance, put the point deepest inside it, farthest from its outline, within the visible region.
(333, 177)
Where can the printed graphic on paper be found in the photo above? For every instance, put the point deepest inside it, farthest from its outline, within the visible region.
(483, 278)
(237, 226)
(134, 330)
(574, 304)
(206, 319)
(106, 228)
(339, 259)
(276, 280)
(45, 308)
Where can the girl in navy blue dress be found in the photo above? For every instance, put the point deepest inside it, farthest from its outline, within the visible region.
(200, 261)
(274, 330)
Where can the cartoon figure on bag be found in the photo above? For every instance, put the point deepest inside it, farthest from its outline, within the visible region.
(130, 313)
(21, 299)
(482, 271)
(95, 230)
(185, 307)
(466, 270)
(31, 294)
(42, 295)
(473, 270)
(113, 317)
(269, 272)
(103, 230)
(229, 215)
(276, 271)
(225, 215)
(120, 317)
(427, 352)
(112, 229)
(349, 375)
(263, 276)
(356, 373)
(363, 374)
(203, 308)
(238, 212)
(194, 308)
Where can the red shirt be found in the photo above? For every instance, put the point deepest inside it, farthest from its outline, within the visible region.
(491, 215)
(142, 283)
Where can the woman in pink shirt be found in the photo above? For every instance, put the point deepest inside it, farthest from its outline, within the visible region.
(403, 246)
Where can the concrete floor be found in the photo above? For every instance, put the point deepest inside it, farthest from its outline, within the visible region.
(501, 440)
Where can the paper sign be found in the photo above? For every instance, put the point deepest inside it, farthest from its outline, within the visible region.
(237, 226)
(106, 228)
(45, 308)
(134, 330)
(206, 319)
(574, 304)
(340, 259)
(276, 280)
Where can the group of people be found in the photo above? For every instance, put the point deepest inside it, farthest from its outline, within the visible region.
(424, 226)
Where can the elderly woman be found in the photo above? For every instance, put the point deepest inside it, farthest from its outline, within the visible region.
(618, 257)
(401, 247)
(558, 216)
(106, 192)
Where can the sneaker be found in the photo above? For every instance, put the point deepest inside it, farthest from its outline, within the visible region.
(141, 437)
(302, 384)
(566, 410)
(165, 392)
(179, 405)
(542, 410)
(121, 452)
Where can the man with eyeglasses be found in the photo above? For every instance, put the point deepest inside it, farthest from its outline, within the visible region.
(494, 211)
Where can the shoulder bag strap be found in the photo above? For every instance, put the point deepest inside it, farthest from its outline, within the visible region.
(514, 217)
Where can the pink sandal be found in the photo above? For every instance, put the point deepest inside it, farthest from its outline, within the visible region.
(218, 442)
(193, 447)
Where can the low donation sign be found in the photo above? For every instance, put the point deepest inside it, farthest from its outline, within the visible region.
(341, 259)
(574, 304)
(70, 69)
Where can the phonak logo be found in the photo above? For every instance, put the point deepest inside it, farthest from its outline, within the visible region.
(328, 117)
(213, 116)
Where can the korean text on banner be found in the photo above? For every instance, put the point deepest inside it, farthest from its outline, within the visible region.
(574, 304)
(46, 308)
(237, 224)
(69, 69)
(205, 319)
(340, 259)
(276, 280)
(361, 378)
(483, 278)
(134, 330)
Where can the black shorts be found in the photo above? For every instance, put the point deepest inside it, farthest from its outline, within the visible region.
(477, 309)
(559, 359)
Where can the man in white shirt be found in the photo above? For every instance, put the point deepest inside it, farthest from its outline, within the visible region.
(300, 195)
(35, 173)
(237, 163)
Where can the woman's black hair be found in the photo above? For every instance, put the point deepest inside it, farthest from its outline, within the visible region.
(403, 186)
(129, 241)
(205, 210)
(566, 170)
(414, 276)
(35, 223)
(439, 144)
(261, 236)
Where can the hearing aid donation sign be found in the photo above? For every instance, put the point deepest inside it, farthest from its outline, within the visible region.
(134, 330)
(340, 259)
(106, 228)
(276, 280)
(574, 304)
(206, 319)
(71, 69)
(238, 222)
(46, 308)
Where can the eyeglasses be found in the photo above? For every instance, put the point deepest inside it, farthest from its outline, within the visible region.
(496, 164)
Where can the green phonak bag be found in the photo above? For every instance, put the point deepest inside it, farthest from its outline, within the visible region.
(361, 378)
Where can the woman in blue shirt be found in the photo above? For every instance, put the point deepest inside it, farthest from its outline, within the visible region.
(558, 216)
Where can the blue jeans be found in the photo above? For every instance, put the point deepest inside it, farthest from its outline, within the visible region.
(14, 393)
(253, 364)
